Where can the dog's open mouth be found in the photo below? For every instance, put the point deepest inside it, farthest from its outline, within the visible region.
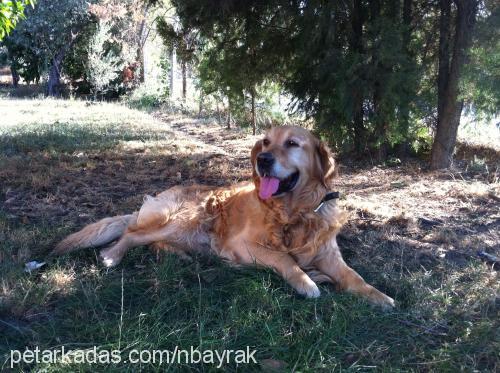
(272, 186)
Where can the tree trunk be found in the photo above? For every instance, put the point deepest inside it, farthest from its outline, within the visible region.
(407, 19)
(254, 127)
(200, 103)
(228, 117)
(444, 52)
(184, 80)
(54, 83)
(172, 72)
(358, 130)
(449, 107)
(380, 141)
(141, 65)
(141, 41)
(15, 75)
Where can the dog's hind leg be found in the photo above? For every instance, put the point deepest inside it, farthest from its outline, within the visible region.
(114, 254)
(159, 247)
(161, 220)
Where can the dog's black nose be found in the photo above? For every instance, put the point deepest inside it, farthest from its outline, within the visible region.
(265, 161)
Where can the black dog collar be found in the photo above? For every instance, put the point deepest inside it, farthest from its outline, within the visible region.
(329, 196)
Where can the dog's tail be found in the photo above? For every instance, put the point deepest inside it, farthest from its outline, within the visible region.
(97, 234)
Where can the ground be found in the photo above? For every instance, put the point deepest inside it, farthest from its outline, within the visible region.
(412, 233)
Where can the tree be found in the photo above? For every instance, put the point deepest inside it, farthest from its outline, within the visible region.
(357, 95)
(221, 81)
(129, 20)
(103, 65)
(239, 51)
(24, 61)
(364, 70)
(181, 42)
(452, 58)
(141, 36)
(10, 14)
(49, 31)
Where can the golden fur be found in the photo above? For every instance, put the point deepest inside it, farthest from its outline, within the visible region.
(282, 232)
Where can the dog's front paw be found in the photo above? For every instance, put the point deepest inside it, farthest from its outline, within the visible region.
(380, 299)
(305, 286)
(110, 258)
(388, 303)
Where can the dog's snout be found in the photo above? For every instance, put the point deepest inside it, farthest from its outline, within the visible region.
(265, 161)
(265, 158)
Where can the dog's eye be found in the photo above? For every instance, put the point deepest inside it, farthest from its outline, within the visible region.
(291, 144)
(265, 142)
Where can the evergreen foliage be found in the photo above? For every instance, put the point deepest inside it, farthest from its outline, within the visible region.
(377, 77)
(366, 71)
(104, 65)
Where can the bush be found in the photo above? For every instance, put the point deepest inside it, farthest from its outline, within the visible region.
(104, 65)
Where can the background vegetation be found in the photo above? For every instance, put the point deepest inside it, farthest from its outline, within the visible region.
(387, 78)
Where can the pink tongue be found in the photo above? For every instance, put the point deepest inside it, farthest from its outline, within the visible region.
(268, 186)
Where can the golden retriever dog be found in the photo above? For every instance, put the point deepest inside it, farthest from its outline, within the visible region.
(285, 219)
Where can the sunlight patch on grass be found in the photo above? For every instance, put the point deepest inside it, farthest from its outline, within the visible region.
(56, 126)
(60, 280)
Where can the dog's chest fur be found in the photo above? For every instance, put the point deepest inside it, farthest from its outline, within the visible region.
(302, 231)
(272, 224)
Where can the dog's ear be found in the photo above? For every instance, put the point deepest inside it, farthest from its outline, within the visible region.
(257, 148)
(325, 163)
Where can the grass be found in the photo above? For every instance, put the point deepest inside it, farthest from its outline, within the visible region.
(64, 164)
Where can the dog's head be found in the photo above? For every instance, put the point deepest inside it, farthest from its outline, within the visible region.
(288, 159)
